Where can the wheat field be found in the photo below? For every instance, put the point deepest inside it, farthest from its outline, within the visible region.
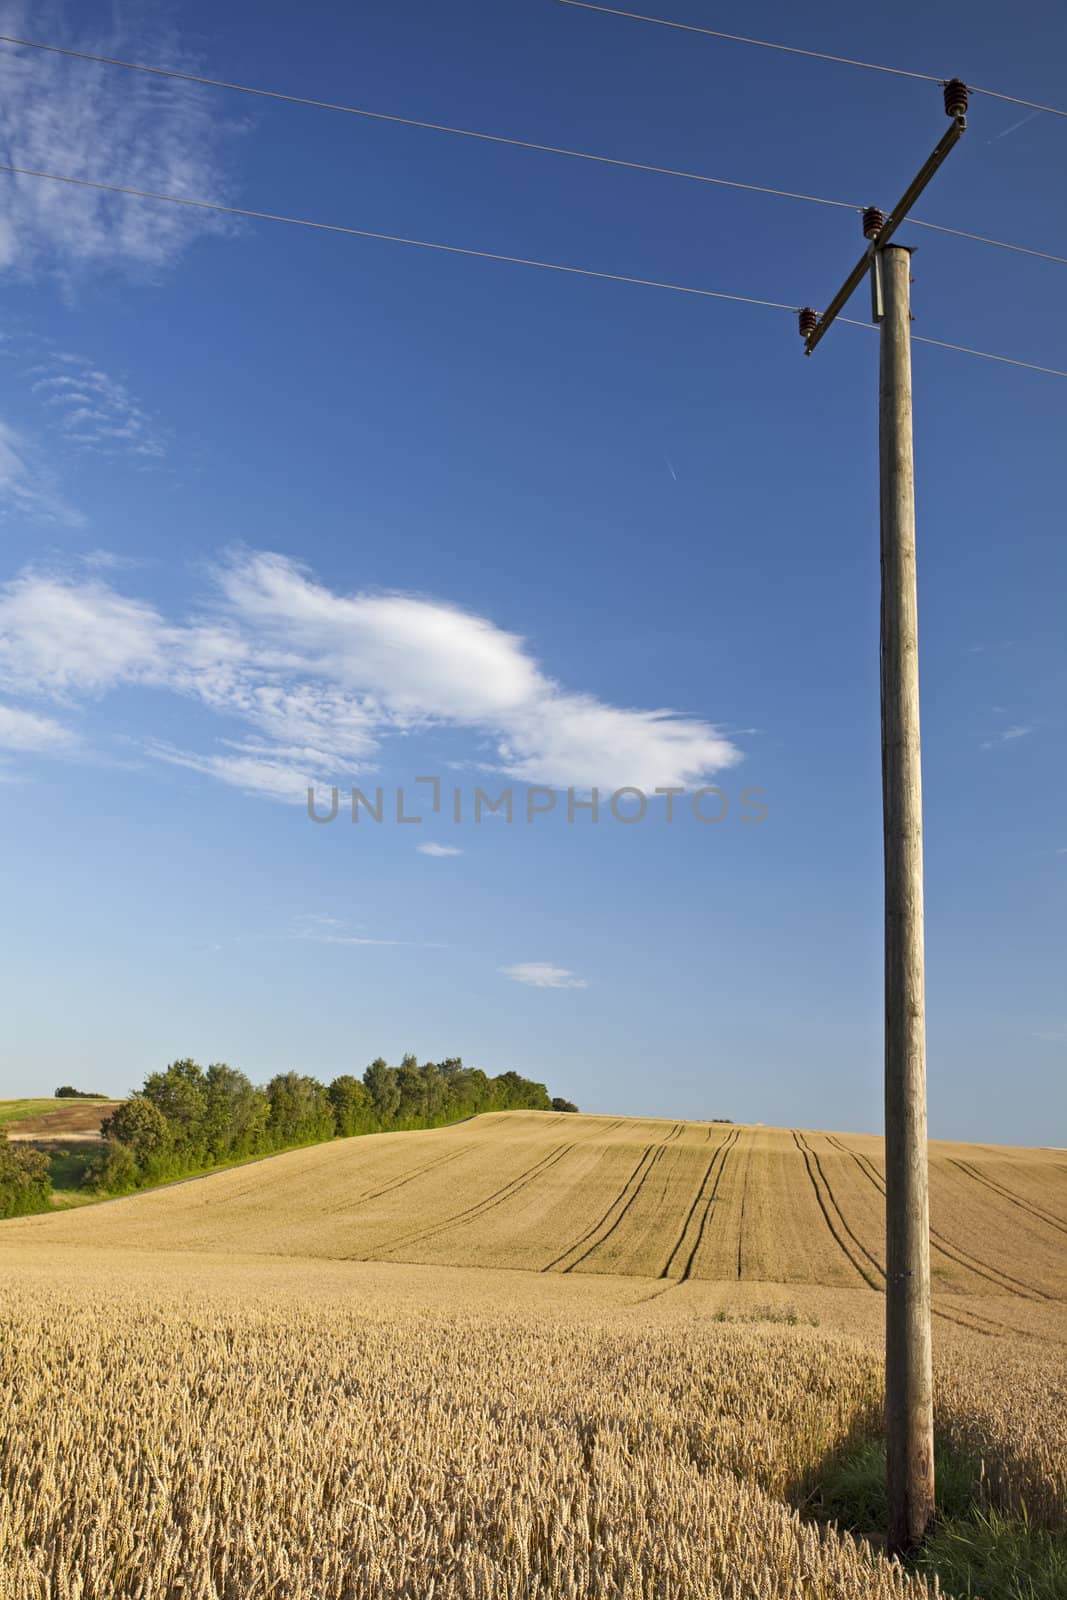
(528, 1355)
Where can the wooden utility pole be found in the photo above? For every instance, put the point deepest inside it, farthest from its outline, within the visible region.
(908, 1376)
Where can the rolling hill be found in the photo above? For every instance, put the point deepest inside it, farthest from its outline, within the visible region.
(587, 1195)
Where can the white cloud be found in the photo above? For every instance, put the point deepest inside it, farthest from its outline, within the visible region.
(85, 121)
(25, 485)
(24, 730)
(250, 772)
(542, 975)
(434, 849)
(1008, 735)
(94, 411)
(413, 661)
(319, 680)
(413, 657)
(58, 636)
(322, 929)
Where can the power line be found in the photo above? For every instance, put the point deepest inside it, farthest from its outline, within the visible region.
(981, 238)
(1008, 361)
(963, 349)
(795, 50)
(416, 122)
(463, 250)
(1031, 105)
(391, 238)
(503, 139)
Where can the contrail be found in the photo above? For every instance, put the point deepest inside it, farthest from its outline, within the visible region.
(1014, 127)
(670, 469)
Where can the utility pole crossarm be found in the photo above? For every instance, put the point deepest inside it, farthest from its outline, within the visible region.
(880, 229)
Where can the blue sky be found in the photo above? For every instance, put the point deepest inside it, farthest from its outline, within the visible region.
(281, 506)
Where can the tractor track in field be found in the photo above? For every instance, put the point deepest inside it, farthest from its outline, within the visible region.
(1005, 1193)
(962, 1317)
(591, 1135)
(655, 1153)
(606, 1235)
(690, 1214)
(945, 1246)
(990, 1327)
(841, 1228)
(599, 1223)
(506, 1191)
(741, 1219)
(399, 1183)
(724, 1150)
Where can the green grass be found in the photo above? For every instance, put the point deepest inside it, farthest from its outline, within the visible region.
(973, 1549)
(997, 1557)
(16, 1110)
(788, 1315)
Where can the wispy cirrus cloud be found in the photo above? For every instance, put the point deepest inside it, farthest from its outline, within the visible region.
(318, 682)
(94, 411)
(27, 731)
(320, 928)
(26, 486)
(1018, 730)
(88, 121)
(440, 851)
(543, 975)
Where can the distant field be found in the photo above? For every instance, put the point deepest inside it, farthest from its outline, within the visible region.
(527, 1357)
(18, 1110)
(584, 1195)
(39, 1120)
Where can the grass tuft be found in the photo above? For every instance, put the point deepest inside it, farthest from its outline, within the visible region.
(973, 1549)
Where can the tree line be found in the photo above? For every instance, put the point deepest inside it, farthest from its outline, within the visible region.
(188, 1118)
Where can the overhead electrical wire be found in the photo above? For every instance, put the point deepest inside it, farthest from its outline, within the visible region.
(465, 250)
(963, 349)
(390, 238)
(796, 50)
(503, 139)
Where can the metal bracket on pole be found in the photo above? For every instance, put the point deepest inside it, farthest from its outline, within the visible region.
(877, 302)
(879, 229)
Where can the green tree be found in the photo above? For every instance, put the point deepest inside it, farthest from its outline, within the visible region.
(437, 1102)
(516, 1093)
(139, 1125)
(381, 1083)
(300, 1111)
(235, 1114)
(116, 1170)
(411, 1112)
(353, 1108)
(472, 1092)
(563, 1105)
(180, 1093)
(25, 1186)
